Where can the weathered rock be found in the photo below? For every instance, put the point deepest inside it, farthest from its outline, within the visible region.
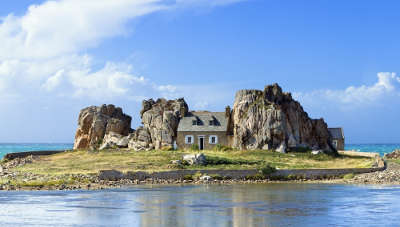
(111, 175)
(316, 152)
(272, 119)
(393, 155)
(112, 140)
(160, 120)
(95, 122)
(205, 178)
(282, 148)
(140, 140)
(195, 159)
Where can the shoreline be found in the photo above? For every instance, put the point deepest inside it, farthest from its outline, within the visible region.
(125, 184)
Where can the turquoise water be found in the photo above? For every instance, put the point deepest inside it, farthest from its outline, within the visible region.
(206, 205)
(379, 148)
(22, 147)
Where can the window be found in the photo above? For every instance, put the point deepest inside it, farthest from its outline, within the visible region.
(334, 142)
(213, 140)
(194, 122)
(189, 139)
(211, 122)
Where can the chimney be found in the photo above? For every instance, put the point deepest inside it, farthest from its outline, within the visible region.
(182, 112)
(227, 111)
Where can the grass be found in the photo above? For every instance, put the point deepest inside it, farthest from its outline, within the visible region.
(348, 176)
(86, 162)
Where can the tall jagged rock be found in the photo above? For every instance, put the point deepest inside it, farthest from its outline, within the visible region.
(272, 119)
(160, 120)
(96, 121)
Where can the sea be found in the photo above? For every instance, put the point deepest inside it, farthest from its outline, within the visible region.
(280, 204)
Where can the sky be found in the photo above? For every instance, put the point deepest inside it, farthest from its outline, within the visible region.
(340, 59)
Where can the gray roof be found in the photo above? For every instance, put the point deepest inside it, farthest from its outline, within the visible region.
(336, 133)
(220, 122)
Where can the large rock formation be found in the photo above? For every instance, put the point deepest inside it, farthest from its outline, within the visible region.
(160, 120)
(271, 119)
(95, 123)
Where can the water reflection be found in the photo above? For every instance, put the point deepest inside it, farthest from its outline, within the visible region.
(206, 205)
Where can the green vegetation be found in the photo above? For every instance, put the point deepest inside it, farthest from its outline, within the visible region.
(348, 176)
(220, 147)
(194, 147)
(267, 170)
(85, 162)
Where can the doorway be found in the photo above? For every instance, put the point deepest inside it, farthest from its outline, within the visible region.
(201, 142)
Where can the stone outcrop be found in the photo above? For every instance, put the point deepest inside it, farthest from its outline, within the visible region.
(393, 155)
(195, 159)
(160, 120)
(95, 122)
(272, 119)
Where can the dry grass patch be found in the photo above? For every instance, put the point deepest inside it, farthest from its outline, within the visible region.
(85, 162)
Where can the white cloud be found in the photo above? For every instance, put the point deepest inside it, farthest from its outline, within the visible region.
(388, 85)
(43, 50)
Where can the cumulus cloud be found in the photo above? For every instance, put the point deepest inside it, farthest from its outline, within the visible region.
(388, 85)
(43, 50)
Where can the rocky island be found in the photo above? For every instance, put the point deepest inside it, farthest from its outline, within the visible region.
(266, 136)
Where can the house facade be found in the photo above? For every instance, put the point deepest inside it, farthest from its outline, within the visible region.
(204, 129)
(337, 138)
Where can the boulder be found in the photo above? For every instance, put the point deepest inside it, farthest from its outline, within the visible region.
(95, 122)
(110, 175)
(393, 155)
(205, 178)
(272, 119)
(112, 140)
(317, 152)
(160, 120)
(282, 148)
(195, 159)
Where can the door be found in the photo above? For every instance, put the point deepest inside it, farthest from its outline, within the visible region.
(201, 143)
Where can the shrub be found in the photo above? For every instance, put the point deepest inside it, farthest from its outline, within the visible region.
(188, 177)
(268, 169)
(348, 176)
(213, 160)
(257, 176)
(194, 147)
(216, 176)
(300, 149)
(220, 147)
(185, 163)
(197, 175)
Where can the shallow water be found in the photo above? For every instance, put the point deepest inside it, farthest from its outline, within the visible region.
(206, 205)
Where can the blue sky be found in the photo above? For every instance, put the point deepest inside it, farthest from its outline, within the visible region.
(338, 58)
